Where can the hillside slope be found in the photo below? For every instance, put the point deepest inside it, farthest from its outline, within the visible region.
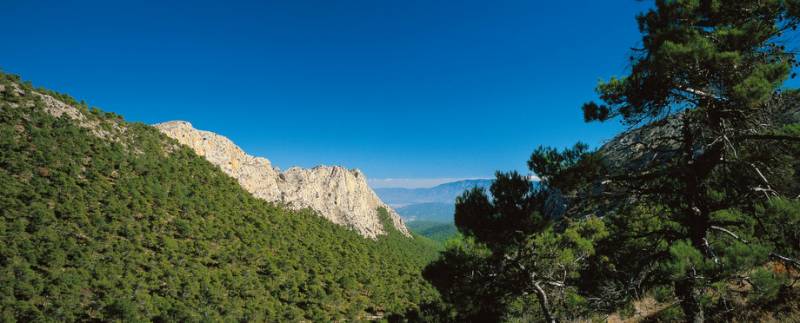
(436, 231)
(101, 219)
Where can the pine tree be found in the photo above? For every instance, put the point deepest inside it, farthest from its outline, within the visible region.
(711, 71)
(518, 259)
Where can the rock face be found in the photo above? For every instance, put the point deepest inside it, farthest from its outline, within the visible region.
(337, 194)
(634, 149)
(644, 146)
(648, 146)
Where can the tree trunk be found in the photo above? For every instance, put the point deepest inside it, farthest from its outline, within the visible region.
(687, 289)
(696, 218)
(688, 293)
(543, 303)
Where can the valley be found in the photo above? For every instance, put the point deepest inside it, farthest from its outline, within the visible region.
(429, 211)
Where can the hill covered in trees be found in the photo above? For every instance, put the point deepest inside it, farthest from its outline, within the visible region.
(432, 220)
(101, 219)
(437, 231)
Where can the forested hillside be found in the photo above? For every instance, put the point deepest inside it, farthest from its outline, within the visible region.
(437, 231)
(101, 219)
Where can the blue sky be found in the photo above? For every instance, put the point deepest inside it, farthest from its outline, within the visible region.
(408, 90)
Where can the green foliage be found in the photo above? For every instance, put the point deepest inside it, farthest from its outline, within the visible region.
(507, 219)
(663, 294)
(766, 285)
(684, 258)
(462, 275)
(135, 227)
(566, 169)
(670, 314)
(514, 264)
(779, 219)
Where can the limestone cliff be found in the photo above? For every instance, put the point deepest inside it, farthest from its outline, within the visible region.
(338, 194)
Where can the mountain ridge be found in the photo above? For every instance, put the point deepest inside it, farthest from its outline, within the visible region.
(338, 194)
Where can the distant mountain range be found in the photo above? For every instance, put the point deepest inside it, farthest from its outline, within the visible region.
(444, 193)
(436, 212)
(429, 211)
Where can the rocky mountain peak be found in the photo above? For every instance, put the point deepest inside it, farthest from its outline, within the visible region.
(338, 194)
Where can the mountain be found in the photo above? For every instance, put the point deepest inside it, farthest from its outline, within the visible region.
(429, 211)
(444, 193)
(435, 212)
(107, 220)
(337, 194)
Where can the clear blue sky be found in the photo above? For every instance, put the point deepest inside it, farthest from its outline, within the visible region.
(400, 89)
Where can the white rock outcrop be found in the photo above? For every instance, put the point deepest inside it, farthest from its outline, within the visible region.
(58, 108)
(336, 193)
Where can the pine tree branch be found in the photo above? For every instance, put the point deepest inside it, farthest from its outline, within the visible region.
(543, 303)
(791, 261)
(728, 232)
